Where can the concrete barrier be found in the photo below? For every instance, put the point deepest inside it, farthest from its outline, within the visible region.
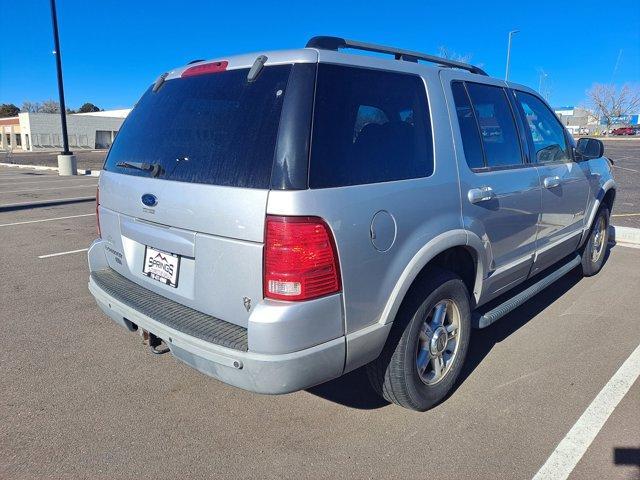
(67, 165)
(625, 236)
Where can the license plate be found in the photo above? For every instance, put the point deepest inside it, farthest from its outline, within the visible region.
(161, 266)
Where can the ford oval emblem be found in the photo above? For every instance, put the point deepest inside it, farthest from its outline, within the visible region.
(149, 200)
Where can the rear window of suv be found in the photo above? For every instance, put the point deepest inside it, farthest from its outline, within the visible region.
(369, 126)
(215, 128)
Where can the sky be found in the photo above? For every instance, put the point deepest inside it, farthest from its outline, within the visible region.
(112, 50)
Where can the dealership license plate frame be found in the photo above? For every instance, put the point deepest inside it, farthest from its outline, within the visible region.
(170, 282)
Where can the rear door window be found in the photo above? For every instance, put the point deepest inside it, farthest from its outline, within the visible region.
(369, 126)
(497, 126)
(471, 142)
(545, 131)
(215, 128)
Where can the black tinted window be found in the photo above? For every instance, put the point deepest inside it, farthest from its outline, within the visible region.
(468, 127)
(545, 130)
(369, 126)
(497, 126)
(214, 128)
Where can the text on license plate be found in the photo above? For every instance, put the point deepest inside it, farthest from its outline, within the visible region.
(161, 266)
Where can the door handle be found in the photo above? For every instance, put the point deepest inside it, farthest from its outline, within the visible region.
(551, 182)
(482, 194)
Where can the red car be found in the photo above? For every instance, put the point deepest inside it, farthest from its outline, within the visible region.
(624, 131)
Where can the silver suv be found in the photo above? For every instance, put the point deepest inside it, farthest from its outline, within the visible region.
(276, 220)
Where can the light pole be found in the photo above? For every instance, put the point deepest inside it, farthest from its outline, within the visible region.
(511, 34)
(66, 159)
(543, 76)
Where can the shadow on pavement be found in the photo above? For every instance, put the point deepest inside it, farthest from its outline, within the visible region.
(482, 341)
(353, 389)
(46, 203)
(627, 456)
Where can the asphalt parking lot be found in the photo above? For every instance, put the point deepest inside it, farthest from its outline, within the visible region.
(87, 159)
(626, 168)
(83, 398)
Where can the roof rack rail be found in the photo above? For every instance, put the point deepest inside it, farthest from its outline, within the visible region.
(336, 43)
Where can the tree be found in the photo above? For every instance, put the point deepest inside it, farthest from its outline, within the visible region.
(50, 106)
(30, 107)
(609, 102)
(88, 107)
(444, 52)
(8, 110)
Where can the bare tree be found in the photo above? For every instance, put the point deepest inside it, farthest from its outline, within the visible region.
(445, 52)
(609, 102)
(31, 107)
(50, 106)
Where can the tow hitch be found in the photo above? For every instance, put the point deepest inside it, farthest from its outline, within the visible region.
(155, 343)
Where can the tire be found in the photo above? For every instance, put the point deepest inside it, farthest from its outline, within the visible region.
(395, 374)
(594, 251)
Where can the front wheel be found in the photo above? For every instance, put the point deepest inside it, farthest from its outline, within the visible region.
(427, 345)
(594, 250)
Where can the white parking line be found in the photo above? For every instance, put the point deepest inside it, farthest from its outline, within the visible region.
(45, 220)
(94, 185)
(63, 253)
(572, 447)
(45, 181)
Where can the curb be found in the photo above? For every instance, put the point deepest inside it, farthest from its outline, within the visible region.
(90, 173)
(625, 236)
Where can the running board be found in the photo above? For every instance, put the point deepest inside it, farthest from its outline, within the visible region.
(479, 320)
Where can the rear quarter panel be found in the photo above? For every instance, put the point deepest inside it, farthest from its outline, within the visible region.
(422, 209)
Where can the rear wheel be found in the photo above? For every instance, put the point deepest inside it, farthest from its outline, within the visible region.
(427, 344)
(594, 250)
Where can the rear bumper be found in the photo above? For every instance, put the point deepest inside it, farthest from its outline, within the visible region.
(256, 372)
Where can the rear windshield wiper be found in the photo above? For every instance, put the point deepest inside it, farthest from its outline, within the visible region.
(154, 168)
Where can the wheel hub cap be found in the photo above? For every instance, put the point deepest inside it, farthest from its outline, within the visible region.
(438, 341)
(598, 240)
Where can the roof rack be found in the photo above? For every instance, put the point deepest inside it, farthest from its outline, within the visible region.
(336, 43)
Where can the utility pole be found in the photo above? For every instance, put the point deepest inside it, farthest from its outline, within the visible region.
(66, 159)
(511, 34)
(543, 76)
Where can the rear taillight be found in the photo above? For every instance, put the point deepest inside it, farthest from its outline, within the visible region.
(98, 212)
(300, 259)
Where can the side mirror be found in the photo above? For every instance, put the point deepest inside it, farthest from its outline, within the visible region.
(588, 148)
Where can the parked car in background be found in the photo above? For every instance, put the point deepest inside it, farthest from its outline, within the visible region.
(276, 220)
(623, 131)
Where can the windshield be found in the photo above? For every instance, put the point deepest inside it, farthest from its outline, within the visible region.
(216, 128)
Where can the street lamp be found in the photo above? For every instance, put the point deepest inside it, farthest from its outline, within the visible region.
(511, 34)
(66, 159)
(543, 78)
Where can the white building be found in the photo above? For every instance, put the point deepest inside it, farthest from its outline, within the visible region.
(40, 132)
(577, 120)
